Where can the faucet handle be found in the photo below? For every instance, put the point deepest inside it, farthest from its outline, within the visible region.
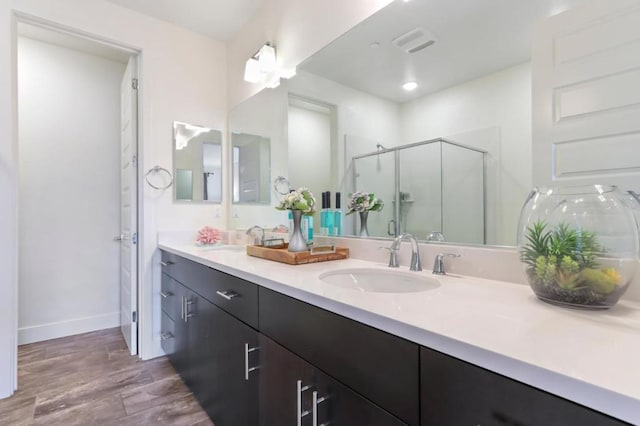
(393, 256)
(438, 264)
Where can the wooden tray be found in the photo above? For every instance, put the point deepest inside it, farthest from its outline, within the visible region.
(299, 258)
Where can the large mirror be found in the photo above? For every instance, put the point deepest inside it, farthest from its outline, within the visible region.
(451, 155)
(197, 163)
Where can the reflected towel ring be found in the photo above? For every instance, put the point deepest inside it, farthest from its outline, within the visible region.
(158, 169)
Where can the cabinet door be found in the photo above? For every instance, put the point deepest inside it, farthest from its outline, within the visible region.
(198, 314)
(457, 393)
(233, 375)
(337, 405)
(180, 355)
(286, 385)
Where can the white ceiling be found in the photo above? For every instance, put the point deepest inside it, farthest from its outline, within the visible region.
(474, 38)
(219, 19)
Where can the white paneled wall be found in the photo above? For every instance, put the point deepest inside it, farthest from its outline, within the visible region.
(586, 94)
(69, 110)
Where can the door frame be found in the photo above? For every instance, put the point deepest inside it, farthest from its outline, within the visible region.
(18, 17)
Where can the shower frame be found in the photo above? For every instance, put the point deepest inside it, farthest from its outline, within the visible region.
(396, 200)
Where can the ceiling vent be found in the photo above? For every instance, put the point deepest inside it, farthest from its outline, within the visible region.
(415, 40)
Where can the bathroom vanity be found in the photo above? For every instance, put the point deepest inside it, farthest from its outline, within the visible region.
(270, 344)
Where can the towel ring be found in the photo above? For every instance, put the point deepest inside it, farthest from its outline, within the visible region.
(158, 169)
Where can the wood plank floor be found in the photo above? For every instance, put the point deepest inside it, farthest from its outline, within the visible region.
(90, 379)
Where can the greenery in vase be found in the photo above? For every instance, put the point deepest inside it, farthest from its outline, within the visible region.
(299, 199)
(363, 202)
(566, 258)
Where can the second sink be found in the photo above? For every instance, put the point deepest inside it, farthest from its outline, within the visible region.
(379, 280)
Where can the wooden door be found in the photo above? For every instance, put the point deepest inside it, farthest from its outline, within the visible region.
(586, 96)
(129, 207)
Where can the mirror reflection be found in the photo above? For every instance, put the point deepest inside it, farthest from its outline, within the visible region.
(197, 163)
(468, 69)
(251, 168)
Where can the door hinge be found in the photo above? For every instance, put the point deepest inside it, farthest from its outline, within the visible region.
(134, 316)
(134, 161)
(134, 238)
(134, 83)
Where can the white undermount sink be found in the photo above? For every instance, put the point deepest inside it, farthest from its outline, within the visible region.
(380, 280)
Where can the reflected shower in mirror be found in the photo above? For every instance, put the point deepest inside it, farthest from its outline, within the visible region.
(197, 163)
(251, 158)
(472, 65)
(434, 187)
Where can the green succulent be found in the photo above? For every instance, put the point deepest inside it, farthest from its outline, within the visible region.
(571, 248)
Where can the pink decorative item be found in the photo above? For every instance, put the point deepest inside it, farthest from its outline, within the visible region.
(208, 235)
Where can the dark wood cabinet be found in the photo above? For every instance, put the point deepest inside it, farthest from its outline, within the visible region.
(213, 351)
(457, 393)
(293, 391)
(381, 367)
(253, 356)
(285, 379)
(234, 371)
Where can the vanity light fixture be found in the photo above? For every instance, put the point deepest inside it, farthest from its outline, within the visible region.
(263, 68)
(410, 85)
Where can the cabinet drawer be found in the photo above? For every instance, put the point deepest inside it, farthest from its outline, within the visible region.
(234, 295)
(381, 367)
(169, 299)
(487, 398)
(167, 334)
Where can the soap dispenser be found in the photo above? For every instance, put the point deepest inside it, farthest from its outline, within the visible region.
(337, 217)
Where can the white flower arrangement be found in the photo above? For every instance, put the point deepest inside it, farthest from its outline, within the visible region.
(364, 201)
(299, 199)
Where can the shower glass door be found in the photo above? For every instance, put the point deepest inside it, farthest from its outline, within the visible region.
(376, 173)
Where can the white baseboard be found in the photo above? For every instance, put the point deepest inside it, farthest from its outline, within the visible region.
(54, 330)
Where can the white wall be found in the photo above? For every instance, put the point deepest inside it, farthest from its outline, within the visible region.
(183, 77)
(502, 100)
(298, 28)
(69, 144)
(309, 140)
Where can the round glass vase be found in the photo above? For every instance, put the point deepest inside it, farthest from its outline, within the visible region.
(579, 245)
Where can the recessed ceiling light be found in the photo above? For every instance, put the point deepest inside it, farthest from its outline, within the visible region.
(410, 85)
(375, 45)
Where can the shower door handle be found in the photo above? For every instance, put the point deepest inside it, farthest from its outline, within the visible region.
(391, 230)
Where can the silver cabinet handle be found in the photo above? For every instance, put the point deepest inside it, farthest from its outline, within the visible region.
(187, 302)
(182, 308)
(166, 336)
(300, 414)
(315, 402)
(167, 263)
(229, 294)
(165, 294)
(248, 370)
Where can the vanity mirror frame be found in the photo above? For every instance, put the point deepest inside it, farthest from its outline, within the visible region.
(217, 135)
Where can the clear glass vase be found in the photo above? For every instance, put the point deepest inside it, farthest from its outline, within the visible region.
(579, 245)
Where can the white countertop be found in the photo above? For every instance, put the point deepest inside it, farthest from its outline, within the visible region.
(590, 357)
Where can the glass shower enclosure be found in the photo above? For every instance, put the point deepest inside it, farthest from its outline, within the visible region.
(430, 187)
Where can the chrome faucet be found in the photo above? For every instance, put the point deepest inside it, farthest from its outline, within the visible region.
(258, 241)
(415, 252)
(438, 264)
